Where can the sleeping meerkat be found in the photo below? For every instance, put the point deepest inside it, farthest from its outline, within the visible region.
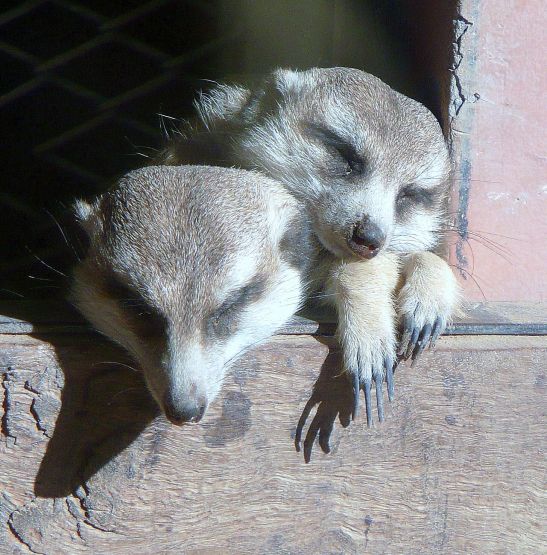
(371, 166)
(187, 268)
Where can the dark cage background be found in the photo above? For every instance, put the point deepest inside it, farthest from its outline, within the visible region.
(83, 84)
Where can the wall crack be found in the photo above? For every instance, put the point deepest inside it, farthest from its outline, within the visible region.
(461, 25)
(459, 98)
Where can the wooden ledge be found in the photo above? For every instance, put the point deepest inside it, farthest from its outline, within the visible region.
(484, 318)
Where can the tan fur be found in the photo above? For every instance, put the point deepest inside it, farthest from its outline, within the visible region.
(364, 297)
(279, 128)
(187, 268)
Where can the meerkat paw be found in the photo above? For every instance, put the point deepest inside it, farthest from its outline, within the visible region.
(419, 329)
(369, 363)
(424, 310)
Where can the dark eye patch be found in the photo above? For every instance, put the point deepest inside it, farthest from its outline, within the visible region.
(347, 161)
(223, 321)
(146, 321)
(412, 194)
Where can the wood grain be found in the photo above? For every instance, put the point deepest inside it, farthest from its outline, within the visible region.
(88, 466)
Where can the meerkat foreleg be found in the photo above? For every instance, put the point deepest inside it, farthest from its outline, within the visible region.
(363, 293)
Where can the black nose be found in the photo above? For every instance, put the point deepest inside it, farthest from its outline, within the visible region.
(179, 411)
(366, 239)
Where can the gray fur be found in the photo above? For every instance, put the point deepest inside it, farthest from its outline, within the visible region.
(398, 140)
(180, 264)
(372, 169)
(351, 151)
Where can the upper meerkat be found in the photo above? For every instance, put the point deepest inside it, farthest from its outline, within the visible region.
(371, 166)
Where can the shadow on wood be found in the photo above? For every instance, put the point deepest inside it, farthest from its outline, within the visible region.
(104, 406)
(333, 396)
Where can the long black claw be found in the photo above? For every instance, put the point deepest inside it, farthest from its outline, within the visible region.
(368, 404)
(389, 379)
(379, 399)
(356, 395)
(422, 342)
(406, 333)
(437, 330)
(411, 343)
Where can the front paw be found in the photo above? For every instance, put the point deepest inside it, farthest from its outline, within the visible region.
(425, 304)
(371, 362)
(420, 325)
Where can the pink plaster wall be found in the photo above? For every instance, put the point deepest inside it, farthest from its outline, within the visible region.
(507, 150)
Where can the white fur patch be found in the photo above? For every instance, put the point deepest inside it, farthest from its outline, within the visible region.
(263, 317)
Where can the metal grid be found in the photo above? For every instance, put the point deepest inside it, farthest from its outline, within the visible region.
(99, 64)
(82, 84)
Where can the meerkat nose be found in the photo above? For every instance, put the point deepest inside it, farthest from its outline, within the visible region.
(366, 238)
(181, 410)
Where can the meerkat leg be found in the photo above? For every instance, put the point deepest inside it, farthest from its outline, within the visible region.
(426, 302)
(363, 293)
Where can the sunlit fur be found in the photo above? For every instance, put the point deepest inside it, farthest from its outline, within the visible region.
(399, 139)
(184, 239)
(400, 145)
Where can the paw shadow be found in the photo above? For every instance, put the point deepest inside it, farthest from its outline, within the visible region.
(333, 396)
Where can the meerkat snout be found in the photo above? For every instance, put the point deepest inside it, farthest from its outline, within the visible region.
(180, 409)
(366, 238)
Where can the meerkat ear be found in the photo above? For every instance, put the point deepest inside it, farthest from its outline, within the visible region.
(86, 216)
(288, 80)
(221, 105)
(267, 99)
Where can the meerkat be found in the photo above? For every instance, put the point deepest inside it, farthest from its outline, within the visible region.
(187, 268)
(372, 168)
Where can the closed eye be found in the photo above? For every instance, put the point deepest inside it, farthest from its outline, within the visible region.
(145, 320)
(347, 161)
(417, 195)
(223, 321)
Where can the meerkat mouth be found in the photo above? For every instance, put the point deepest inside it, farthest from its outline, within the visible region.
(363, 250)
(366, 240)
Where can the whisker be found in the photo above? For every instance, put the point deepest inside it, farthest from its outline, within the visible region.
(68, 244)
(39, 278)
(116, 363)
(466, 272)
(46, 264)
(13, 293)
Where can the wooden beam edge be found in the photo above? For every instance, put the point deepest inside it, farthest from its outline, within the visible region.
(57, 317)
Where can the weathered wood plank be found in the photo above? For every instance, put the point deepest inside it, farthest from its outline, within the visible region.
(484, 318)
(89, 467)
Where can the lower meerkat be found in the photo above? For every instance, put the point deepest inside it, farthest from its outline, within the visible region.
(372, 169)
(187, 268)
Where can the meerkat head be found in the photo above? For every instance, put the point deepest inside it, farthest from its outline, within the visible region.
(187, 268)
(371, 164)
